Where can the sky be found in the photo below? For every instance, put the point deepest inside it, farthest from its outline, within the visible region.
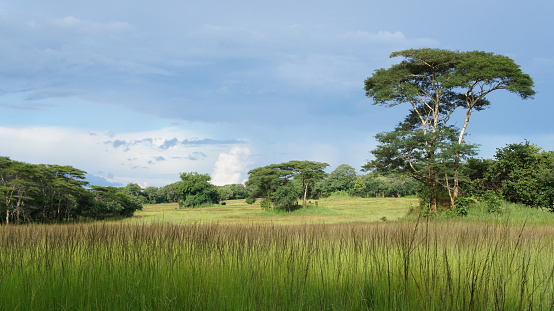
(140, 91)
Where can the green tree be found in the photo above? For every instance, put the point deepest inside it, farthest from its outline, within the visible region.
(340, 179)
(233, 192)
(196, 190)
(171, 193)
(428, 157)
(307, 173)
(266, 181)
(523, 173)
(107, 202)
(435, 83)
(153, 195)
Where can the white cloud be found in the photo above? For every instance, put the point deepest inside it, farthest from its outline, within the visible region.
(119, 157)
(230, 167)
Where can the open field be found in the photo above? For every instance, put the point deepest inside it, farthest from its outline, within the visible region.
(237, 211)
(241, 258)
(356, 266)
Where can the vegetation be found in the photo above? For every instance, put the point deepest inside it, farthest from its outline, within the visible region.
(54, 193)
(435, 83)
(379, 266)
(280, 185)
(196, 190)
(520, 173)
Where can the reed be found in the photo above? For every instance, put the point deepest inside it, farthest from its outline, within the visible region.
(423, 265)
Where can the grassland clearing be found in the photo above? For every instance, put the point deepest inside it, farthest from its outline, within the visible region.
(238, 211)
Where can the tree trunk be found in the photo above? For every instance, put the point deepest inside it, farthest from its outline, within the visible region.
(433, 191)
(456, 186)
(305, 195)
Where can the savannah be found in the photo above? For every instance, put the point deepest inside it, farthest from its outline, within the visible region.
(344, 254)
(428, 226)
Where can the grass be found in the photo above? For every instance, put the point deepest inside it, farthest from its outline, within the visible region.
(358, 266)
(238, 257)
(238, 211)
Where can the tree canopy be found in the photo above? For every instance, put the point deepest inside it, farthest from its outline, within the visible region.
(435, 83)
(276, 182)
(196, 190)
(56, 193)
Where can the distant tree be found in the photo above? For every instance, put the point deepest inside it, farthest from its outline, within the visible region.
(171, 193)
(524, 173)
(56, 193)
(286, 196)
(233, 192)
(45, 193)
(307, 173)
(390, 185)
(266, 181)
(341, 179)
(108, 202)
(153, 195)
(196, 190)
(225, 193)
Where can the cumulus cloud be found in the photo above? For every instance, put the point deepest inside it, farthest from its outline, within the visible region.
(117, 157)
(230, 167)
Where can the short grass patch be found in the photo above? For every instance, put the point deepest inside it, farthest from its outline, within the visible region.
(336, 210)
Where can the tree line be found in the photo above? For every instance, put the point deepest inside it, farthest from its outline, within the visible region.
(55, 193)
(520, 173)
(283, 186)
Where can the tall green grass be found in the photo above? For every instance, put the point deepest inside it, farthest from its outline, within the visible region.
(431, 265)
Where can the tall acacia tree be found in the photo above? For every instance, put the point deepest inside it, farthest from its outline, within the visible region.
(435, 83)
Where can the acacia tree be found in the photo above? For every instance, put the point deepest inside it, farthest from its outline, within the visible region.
(435, 83)
(275, 182)
(308, 173)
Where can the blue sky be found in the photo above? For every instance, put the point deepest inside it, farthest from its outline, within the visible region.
(139, 91)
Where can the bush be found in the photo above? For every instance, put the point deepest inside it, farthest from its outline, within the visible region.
(462, 206)
(492, 202)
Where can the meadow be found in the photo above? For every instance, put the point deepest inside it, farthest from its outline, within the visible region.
(164, 260)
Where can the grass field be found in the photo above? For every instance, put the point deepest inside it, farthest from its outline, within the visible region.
(242, 258)
(237, 211)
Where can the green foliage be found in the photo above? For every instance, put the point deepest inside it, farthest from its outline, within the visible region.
(492, 202)
(462, 206)
(232, 192)
(384, 185)
(55, 193)
(196, 190)
(171, 193)
(278, 184)
(521, 171)
(435, 83)
(341, 179)
(286, 196)
(108, 202)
